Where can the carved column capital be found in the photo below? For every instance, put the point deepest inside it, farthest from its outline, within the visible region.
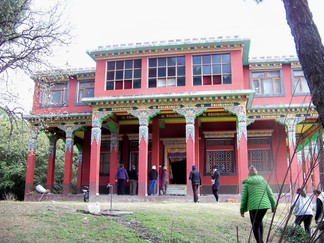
(290, 122)
(99, 116)
(190, 113)
(144, 116)
(69, 137)
(97, 119)
(52, 144)
(114, 141)
(240, 112)
(32, 140)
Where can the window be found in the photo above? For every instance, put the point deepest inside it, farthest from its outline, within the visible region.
(166, 72)
(260, 154)
(212, 69)
(104, 164)
(300, 85)
(54, 95)
(220, 153)
(267, 83)
(84, 89)
(124, 74)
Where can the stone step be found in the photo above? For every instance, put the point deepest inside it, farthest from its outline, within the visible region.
(175, 189)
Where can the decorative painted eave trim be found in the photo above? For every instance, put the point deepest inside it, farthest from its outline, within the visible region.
(273, 59)
(276, 111)
(173, 141)
(137, 100)
(58, 75)
(61, 119)
(273, 62)
(260, 133)
(172, 46)
(295, 65)
(259, 66)
(220, 134)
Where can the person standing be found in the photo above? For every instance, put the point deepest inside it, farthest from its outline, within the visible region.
(153, 175)
(303, 210)
(133, 178)
(257, 197)
(165, 180)
(319, 213)
(120, 177)
(195, 178)
(215, 182)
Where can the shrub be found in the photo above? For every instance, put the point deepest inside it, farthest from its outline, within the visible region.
(295, 233)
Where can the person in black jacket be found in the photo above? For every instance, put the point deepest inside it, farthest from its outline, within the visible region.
(133, 178)
(195, 182)
(153, 175)
(215, 182)
(319, 213)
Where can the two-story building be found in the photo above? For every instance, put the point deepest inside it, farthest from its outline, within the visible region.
(176, 104)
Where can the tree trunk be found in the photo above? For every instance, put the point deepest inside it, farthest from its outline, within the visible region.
(309, 49)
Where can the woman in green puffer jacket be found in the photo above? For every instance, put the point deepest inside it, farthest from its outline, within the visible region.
(257, 197)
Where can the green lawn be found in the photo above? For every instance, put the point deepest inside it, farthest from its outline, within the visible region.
(149, 222)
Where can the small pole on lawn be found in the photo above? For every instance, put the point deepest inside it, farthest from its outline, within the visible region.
(110, 189)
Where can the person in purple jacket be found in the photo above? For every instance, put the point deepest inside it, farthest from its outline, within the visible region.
(120, 177)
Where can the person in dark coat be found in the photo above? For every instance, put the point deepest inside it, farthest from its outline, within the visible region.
(215, 182)
(133, 178)
(195, 178)
(153, 176)
(319, 213)
(120, 177)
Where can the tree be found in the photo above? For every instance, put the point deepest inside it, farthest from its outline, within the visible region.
(13, 151)
(27, 37)
(309, 48)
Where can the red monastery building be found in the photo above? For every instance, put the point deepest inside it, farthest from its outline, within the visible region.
(176, 104)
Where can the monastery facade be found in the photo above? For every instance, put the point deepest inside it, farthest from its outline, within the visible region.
(178, 103)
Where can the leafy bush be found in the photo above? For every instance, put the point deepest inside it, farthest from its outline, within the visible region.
(295, 233)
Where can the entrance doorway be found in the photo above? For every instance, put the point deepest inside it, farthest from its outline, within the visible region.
(175, 158)
(178, 169)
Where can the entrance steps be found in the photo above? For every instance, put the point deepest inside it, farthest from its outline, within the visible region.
(177, 190)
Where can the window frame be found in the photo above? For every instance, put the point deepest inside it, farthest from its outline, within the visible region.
(84, 89)
(47, 91)
(210, 69)
(117, 72)
(167, 74)
(260, 147)
(293, 82)
(266, 77)
(220, 148)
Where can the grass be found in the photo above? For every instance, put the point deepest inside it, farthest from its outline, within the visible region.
(150, 222)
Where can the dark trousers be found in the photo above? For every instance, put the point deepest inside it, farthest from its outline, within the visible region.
(120, 187)
(215, 192)
(256, 217)
(307, 219)
(195, 193)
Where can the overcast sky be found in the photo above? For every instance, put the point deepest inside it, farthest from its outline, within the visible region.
(107, 22)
